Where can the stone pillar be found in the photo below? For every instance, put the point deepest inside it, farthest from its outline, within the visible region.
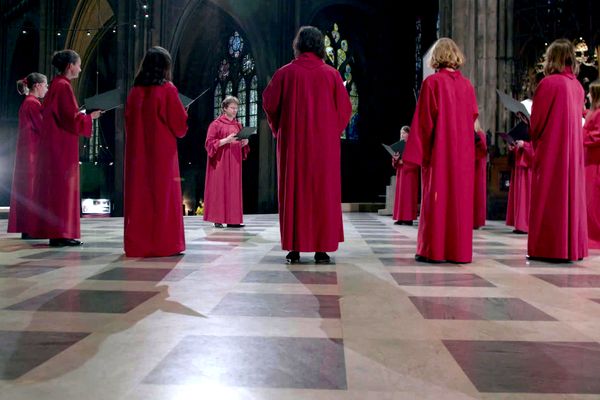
(483, 30)
(125, 74)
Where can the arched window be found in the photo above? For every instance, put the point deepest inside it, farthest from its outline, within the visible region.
(339, 55)
(236, 76)
(217, 100)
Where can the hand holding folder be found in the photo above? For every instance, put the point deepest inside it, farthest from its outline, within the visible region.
(394, 148)
(513, 105)
(245, 133)
(104, 101)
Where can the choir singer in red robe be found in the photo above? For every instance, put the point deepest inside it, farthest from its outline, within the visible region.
(407, 187)
(154, 119)
(557, 216)
(517, 212)
(57, 189)
(308, 107)
(22, 203)
(223, 184)
(591, 141)
(480, 199)
(441, 142)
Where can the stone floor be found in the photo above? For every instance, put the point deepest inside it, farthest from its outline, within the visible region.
(229, 320)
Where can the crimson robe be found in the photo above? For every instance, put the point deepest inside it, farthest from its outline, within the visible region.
(591, 141)
(441, 142)
(223, 185)
(557, 216)
(154, 119)
(407, 191)
(57, 191)
(517, 211)
(480, 204)
(22, 202)
(308, 107)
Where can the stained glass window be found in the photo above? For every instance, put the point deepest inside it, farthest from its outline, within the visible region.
(338, 54)
(253, 102)
(217, 100)
(243, 97)
(236, 76)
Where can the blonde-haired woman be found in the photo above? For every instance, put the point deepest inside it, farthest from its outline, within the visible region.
(22, 200)
(441, 142)
(223, 185)
(557, 216)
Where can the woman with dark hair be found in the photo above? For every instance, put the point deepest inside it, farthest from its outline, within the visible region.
(154, 119)
(308, 107)
(223, 185)
(557, 217)
(22, 204)
(58, 170)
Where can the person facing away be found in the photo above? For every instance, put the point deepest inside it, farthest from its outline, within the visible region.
(441, 142)
(308, 107)
(57, 188)
(23, 206)
(407, 187)
(154, 119)
(591, 142)
(223, 185)
(557, 215)
(479, 190)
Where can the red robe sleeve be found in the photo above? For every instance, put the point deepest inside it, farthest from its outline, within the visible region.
(175, 114)
(591, 130)
(34, 113)
(69, 118)
(343, 104)
(420, 140)
(212, 139)
(542, 103)
(480, 146)
(271, 103)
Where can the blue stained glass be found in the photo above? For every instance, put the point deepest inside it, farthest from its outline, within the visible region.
(236, 45)
(229, 89)
(242, 96)
(217, 100)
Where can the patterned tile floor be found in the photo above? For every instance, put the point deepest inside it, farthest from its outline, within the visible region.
(229, 320)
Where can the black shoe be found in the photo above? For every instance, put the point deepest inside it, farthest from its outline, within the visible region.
(26, 236)
(519, 232)
(426, 260)
(235, 225)
(548, 260)
(218, 225)
(322, 258)
(409, 223)
(293, 257)
(64, 242)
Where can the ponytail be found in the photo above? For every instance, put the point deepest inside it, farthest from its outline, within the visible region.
(25, 85)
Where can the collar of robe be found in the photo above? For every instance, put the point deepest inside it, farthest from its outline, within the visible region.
(568, 72)
(453, 74)
(308, 60)
(223, 118)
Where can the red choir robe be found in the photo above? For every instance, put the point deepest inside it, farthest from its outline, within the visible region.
(591, 141)
(407, 191)
(308, 107)
(223, 185)
(57, 189)
(22, 202)
(517, 212)
(480, 204)
(557, 215)
(441, 142)
(154, 119)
